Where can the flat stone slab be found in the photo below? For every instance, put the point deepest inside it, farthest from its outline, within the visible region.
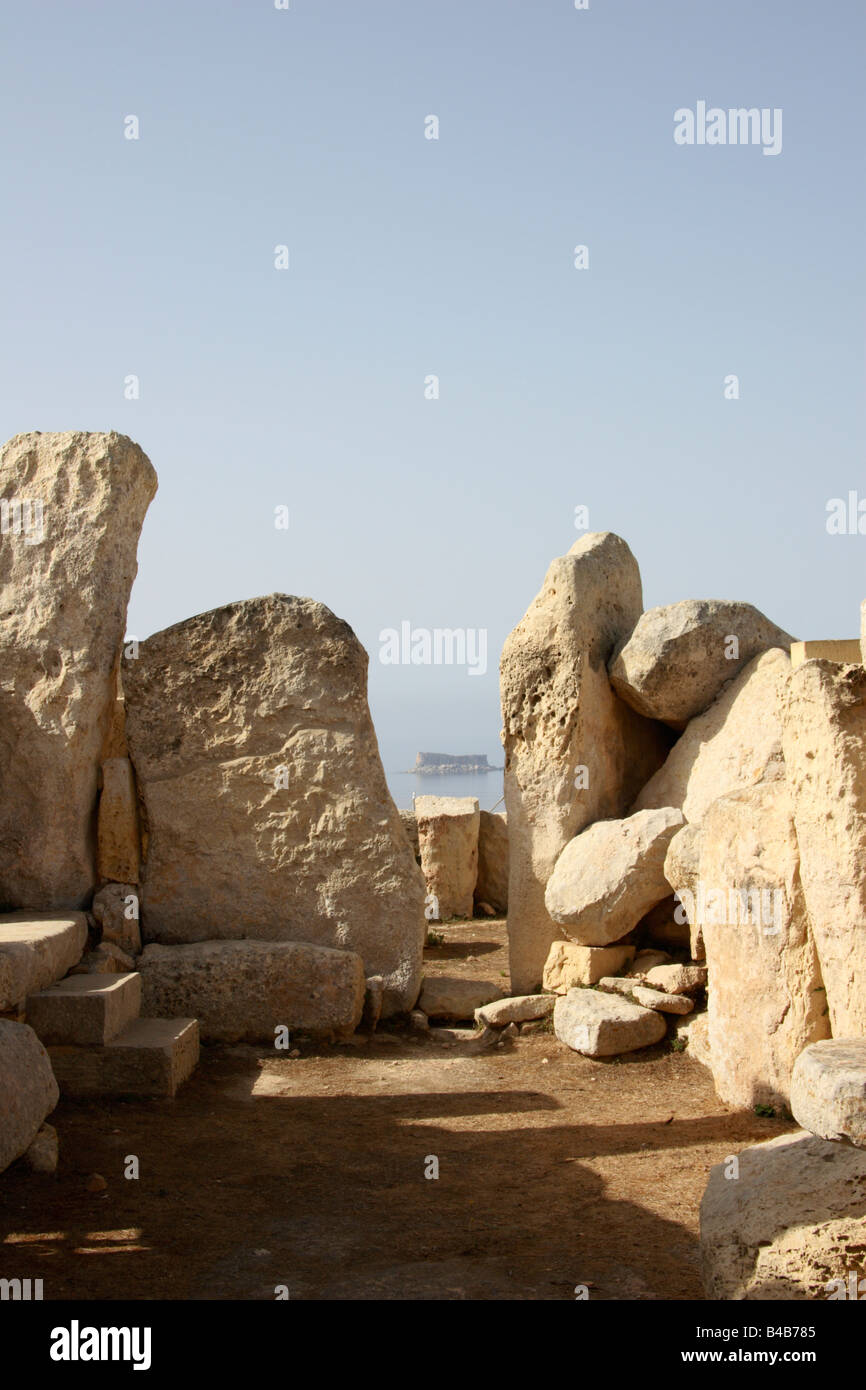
(828, 1089)
(83, 1011)
(602, 1025)
(151, 1057)
(28, 1089)
(661, 1002)
(677, 979)
(518, 1009)
(37, 948)
(242, 991)
(451, 997)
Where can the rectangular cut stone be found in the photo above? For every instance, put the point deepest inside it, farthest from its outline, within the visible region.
(846, 649)
(569, 966)
(85, 1010)
(37, 948)
(242, 991)
(448, 828)
(151, 1057)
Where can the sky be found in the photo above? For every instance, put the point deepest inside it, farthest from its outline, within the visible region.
(309, 387)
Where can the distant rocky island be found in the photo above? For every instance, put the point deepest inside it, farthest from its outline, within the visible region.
(430, 764)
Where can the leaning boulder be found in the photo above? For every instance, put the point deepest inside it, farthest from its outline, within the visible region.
(67, 562)
(448, 839)
(610, 875)
(735, 743)
(828, 1089)
(766, 996)
(574, 752)
(677, 658)
(268, 815)
(28, 1091)
(824, 739)
(243, 991)
(602, 1025)
(788, 1224)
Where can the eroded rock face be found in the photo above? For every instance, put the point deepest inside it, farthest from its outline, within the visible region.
(824, 740)
(735, 743)
(268, 815)
(28, 1091)
(677, 658)
(63, 599)
(682, 871)
(610, 875)
(766, 995)
(244, 990)
(448, 839)
(828, 1089)
(791, 1224)
(491, 886)
(574, 752)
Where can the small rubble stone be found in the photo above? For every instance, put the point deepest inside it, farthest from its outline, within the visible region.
(664, 1003)
(520, 1008)
(43, 1154)
(600, 1025)
(677, 979)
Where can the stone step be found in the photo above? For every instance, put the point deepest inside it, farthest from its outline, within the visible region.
(151, 1057)
(37, 948)
(85, 1010)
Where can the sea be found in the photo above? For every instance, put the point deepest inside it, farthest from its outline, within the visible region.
(487, 786)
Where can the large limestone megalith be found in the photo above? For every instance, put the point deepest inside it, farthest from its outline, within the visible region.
(267, 812)
(824, 742)
(71, 508)
(574, 752)
(766, 996)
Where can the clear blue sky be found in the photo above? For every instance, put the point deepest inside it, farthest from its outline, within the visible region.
(411, 256)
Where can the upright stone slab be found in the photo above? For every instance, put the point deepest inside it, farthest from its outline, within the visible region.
(574, 752)
(448, 838)
(118, 834)
(65, 575)
(766, 996)
(491, 886)
(824, 741)
(268, 815)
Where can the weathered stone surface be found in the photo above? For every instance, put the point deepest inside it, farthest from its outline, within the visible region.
(766, 997)
(446, 996)
(645, 961)
(80, 1011)
(63, 600)
(491, 886)
(410, 825)
(105, 959)
(115, 908)
(788, 1226)
(682, 871)
(569, 966)
(241, 991)
(28, 1090)
(845, 650)
(519, 1008)
(43, 1154)
(828, 1089)
(677, 979)
(602, 1025)
(151, 1057)
(610, 875)
(824, 738)
(613, 984)
(37, 948)
(448, 836)
(267, 808)
(677, 659)
(118, 833)
(736, 743)
(699, 1040)
(574, 752)
(662, 1003)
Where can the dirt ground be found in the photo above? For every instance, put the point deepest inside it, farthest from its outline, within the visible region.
(309, 1173)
